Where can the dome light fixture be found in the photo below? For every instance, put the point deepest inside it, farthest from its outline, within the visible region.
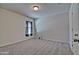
(35, 8)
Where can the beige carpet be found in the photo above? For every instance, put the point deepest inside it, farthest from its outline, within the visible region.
(36, 47)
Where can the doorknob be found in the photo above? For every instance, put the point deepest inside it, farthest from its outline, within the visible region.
(76, 40)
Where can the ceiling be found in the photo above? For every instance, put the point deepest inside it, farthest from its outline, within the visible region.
(45, 8)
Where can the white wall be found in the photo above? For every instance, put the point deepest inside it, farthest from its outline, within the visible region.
(55, 27)
(12, 27)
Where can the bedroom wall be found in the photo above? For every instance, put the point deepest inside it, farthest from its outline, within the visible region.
(12, 27)
(54, 27)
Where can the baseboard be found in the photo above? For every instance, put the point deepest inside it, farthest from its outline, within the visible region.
(56, 41)
(11, 43)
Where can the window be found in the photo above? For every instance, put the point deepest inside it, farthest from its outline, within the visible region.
(28, 28)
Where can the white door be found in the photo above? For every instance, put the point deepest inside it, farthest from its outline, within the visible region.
(74, 22)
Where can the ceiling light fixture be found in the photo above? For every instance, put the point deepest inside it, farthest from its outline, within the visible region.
(35, 8)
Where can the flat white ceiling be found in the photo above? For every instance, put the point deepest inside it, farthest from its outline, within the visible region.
(45, 8)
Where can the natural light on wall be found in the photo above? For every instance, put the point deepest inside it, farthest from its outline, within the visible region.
(29, 29)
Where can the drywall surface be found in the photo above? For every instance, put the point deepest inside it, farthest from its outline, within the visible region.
(54, 27)
(12, 27)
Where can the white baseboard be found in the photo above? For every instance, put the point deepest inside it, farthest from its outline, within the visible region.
(56, 41)
(10, 43)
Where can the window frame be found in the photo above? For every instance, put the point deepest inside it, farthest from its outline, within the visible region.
(27, 33)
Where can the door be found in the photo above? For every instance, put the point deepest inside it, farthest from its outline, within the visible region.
(74, 22)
